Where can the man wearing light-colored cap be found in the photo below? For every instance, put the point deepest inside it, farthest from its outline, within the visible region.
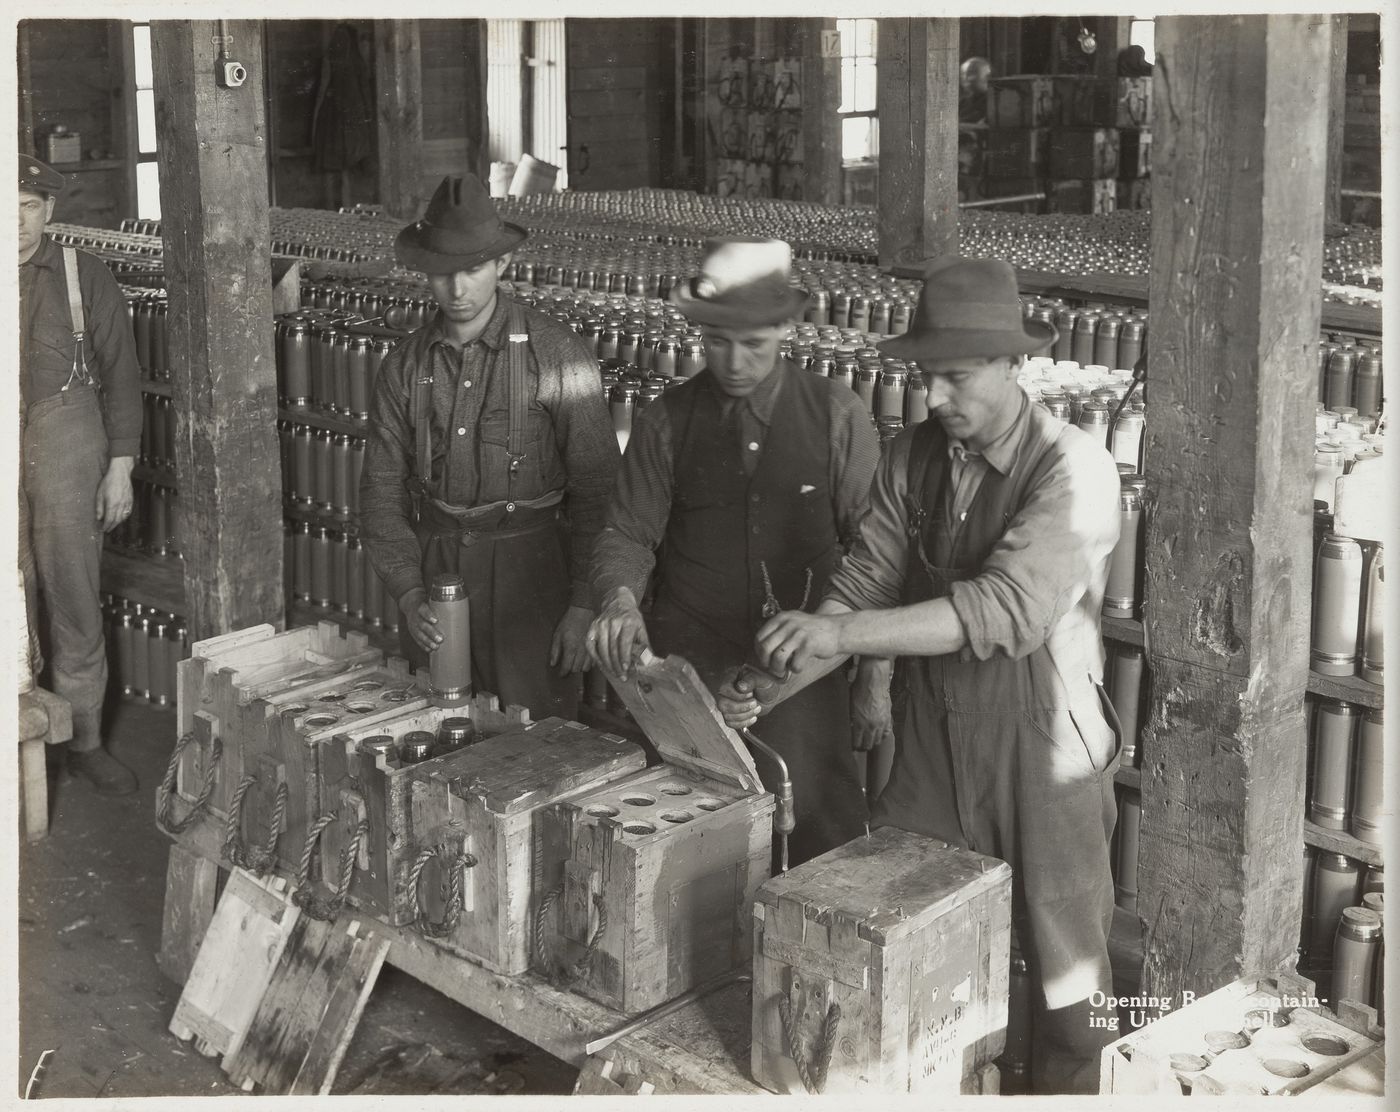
(80, 420)
(982, 567)
(490, 455)
(748, 479)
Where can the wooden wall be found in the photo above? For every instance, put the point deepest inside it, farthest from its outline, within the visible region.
(453, 120)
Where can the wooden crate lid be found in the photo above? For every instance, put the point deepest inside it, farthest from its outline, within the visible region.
(891, 882)
(677, 713)
(527, 766)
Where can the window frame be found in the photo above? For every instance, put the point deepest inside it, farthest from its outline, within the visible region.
(858, 55)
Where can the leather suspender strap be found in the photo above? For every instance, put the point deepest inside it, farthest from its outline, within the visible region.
(517, 392)
(75, 294)
(422, 434)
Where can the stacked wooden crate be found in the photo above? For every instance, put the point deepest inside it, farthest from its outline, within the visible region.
(1016, 158)
(755, 107)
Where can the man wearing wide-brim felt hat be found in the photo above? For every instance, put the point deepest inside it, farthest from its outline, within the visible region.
(982, 566)
(739, 489)
(490, 455)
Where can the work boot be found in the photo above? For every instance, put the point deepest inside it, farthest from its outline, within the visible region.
(104, 772)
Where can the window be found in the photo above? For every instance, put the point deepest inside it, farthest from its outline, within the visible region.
(860, 126)
(1142, 32)
(147, 182)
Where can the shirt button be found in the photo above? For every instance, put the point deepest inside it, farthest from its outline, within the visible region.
(755, 529)
(467, 385)
(753, 445)
(462, 432)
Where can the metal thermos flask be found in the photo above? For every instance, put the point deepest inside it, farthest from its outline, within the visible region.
(1373, 631)
(915, 397)
(1120, 598)
(865, 386)
(1329, 462)
(1106, 343)
(321, 567)
(1125, 878)
(1336, 606)
(1334, 733)
(692, 359)
(1373, 883)
(301, 563)
(1064, 342)
(1130, 344)
(450, 664)
(296, 363)
(1127, 438)
(1125, 691)
(376, 744)
(1082, 345)
(1367, 796)
(1336, 883)
(1354, 955)
(889, 398)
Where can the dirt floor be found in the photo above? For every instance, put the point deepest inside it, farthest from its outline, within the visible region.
(90, 903)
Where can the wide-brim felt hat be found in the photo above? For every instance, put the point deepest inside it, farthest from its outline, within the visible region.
(460, 230)
(743, 283)
(969, 308)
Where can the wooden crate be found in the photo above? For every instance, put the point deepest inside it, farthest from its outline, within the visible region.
(218, 685)
(360, 786)
(1017, 152)
(910, 938)
(648, 881)
(1085, 100)
(297, 720)
(488, 807)
(1134, 153)
(1084, 152)
(1180, 1051)
(1027, 101)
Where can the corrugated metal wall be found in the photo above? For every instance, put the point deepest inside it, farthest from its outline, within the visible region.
(551, 125)
(503, 107)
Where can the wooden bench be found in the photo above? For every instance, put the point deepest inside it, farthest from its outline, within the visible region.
(44, 719)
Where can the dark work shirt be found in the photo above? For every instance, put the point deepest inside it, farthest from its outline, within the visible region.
(641, 505)
(46, 340)
(569, 439)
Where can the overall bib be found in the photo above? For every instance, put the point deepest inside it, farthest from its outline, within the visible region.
(737, 549)
(1012, 758)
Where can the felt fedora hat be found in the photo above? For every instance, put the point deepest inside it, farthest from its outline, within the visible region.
(743, 283)
(968, 308)
(460, 230)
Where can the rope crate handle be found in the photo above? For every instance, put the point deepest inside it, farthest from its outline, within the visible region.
(439, 928)
(166, 792)
(259, 859)
(580, 967)
(304, 897)
(813, 1075)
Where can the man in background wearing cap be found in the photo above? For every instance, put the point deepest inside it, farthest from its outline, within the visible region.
(748, 478)
(487, 427)
(982, 567)
(80, 423)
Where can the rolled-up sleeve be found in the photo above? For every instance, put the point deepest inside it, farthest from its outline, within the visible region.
(1054, 552)
(871, 574)
(639, 509)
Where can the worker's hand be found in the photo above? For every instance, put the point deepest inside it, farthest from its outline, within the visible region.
(422, 622)
(872, 718)
(737, 704)
(114, 495)
(795, 639)
(569, 649)
(618, 634)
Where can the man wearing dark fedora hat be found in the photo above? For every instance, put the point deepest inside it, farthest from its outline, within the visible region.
(490, 455)
(80, 428)
(982, 567)
(748, 479)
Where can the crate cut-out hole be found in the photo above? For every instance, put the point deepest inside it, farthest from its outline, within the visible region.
(1286, 1067)
(638, 800)
(638, 828)
(359, 708)
(601, 811)
(1188, 1063)
(1264, 1017)
(397, 695)
(677, 816)
(674, 789)
(709, 804)
(366, 685)
(319, 720)
(1226, 1040)
(1325, 1044)
(294, 708)
(332, 696)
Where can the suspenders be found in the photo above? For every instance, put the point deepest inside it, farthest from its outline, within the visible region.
(79, 373)
(517, 386)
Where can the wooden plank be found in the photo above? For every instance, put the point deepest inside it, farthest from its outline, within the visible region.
(600, 1077)
(1349, 689)
(1126, 631)
(1236, 250)
(189, 905)
(236, 959)
(214, 218)
(583, 79)
(917, 83)
(398, 79)
(821, 122)
(1338, 841)
(1336, 117)
(336, 1027)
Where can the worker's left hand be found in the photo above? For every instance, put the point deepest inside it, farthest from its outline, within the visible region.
(569, 649)
(795, 639)
(114, 495)
(872, 718)
(738, 705)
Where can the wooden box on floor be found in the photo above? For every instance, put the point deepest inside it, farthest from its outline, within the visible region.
(909, 939)
(648, 881)
(1252, 1037)
(298, 720)
(218, 689)
(483, 815)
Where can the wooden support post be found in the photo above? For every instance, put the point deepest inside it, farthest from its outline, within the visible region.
(1240, 123)
(1336, 118)
(24, 85)
(821, 125)
(918, 97)
(214, 220)
(1111, 35)
(190, 880)
(398, 83)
